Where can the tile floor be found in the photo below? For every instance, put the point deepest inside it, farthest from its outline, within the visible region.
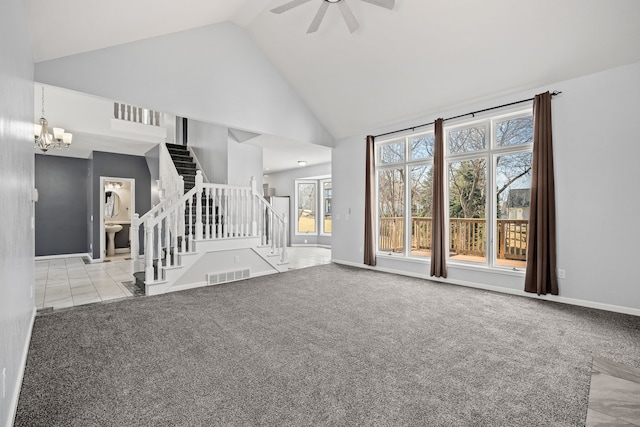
(614, 398)
(68, 282)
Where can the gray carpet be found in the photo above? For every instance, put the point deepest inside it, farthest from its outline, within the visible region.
(327, 345)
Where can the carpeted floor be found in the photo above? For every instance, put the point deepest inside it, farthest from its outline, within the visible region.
(327, 345)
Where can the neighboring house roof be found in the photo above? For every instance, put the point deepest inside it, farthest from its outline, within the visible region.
(518, 198)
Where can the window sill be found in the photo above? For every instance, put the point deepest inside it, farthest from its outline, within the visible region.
(452, 264)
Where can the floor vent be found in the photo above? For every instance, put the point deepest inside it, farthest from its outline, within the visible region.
(228, 276)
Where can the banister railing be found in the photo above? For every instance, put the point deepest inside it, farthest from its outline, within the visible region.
(467, 236)
(207, 212)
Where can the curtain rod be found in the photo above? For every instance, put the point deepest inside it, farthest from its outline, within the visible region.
(473, 113)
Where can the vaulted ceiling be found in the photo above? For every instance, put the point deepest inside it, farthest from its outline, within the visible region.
(423, 57)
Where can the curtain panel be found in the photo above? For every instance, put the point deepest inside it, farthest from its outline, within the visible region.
(438, 241)
(541, 275)
(369, 209)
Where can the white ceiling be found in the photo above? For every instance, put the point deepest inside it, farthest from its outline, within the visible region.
(422, 58)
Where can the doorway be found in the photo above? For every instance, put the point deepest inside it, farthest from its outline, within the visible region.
(117, 196)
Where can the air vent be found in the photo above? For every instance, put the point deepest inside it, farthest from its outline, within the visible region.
(228, 276)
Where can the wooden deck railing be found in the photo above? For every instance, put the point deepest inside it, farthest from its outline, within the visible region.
(467, 236)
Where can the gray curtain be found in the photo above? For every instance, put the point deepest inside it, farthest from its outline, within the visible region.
(438, 248)
(541, 245)
(369, 208)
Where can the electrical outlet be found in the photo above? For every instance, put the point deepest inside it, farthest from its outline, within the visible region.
(305, 241)
(562, 274)
(236, 259)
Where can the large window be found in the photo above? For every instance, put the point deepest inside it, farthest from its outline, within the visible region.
(306, 202)
(313, 206)
(405, 183)
(488, 182)
(325, 184)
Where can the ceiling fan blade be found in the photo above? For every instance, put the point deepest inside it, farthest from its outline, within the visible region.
(315, 24)
(388, 4)
(351, 21)
(289, 5)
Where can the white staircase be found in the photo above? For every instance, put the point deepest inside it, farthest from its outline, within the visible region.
(210, 235)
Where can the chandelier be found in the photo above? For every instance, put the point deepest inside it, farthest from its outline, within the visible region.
(44, 140)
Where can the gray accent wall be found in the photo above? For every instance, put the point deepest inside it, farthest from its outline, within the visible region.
(61, 211)
(119, 166)
(17, 302)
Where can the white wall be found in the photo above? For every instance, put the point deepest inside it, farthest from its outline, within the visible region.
(17, 304)
(215, 74)
(209, 143)
(245, 162)
(224, 160)
(596, 152)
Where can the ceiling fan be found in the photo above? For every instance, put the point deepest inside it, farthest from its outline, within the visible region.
(351, 21)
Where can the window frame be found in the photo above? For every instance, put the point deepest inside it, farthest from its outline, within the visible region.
(297, 198)
(490, 154)
(406, 165)
(322, 217)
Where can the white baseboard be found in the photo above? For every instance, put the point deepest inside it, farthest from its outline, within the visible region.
(46, 257)
(23, 364)
(552, 298)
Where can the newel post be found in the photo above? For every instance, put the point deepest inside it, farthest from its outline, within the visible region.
(199, 185)
(135, 239)
(148, 255)
(254, 213)
(285, 229)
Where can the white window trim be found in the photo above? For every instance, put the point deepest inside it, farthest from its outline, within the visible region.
(321, 216)
(490, 153)
(315, 183)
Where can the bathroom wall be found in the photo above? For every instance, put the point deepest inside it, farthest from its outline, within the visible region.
(61, 210)
(123, 216)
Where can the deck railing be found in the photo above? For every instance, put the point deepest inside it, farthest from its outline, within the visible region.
(467, 236)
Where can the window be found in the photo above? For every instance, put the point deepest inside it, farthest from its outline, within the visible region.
(409, 158)
(306, 203)
(488, 167)
(490, 160)
(326, 206)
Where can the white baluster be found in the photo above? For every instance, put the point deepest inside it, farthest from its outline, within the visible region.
(174, 235)
(199, 182)
(148, 255)
(207, 230)
(190, 231)
(135, 240)
(167, 241)
(285, 227)
(159, 248)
